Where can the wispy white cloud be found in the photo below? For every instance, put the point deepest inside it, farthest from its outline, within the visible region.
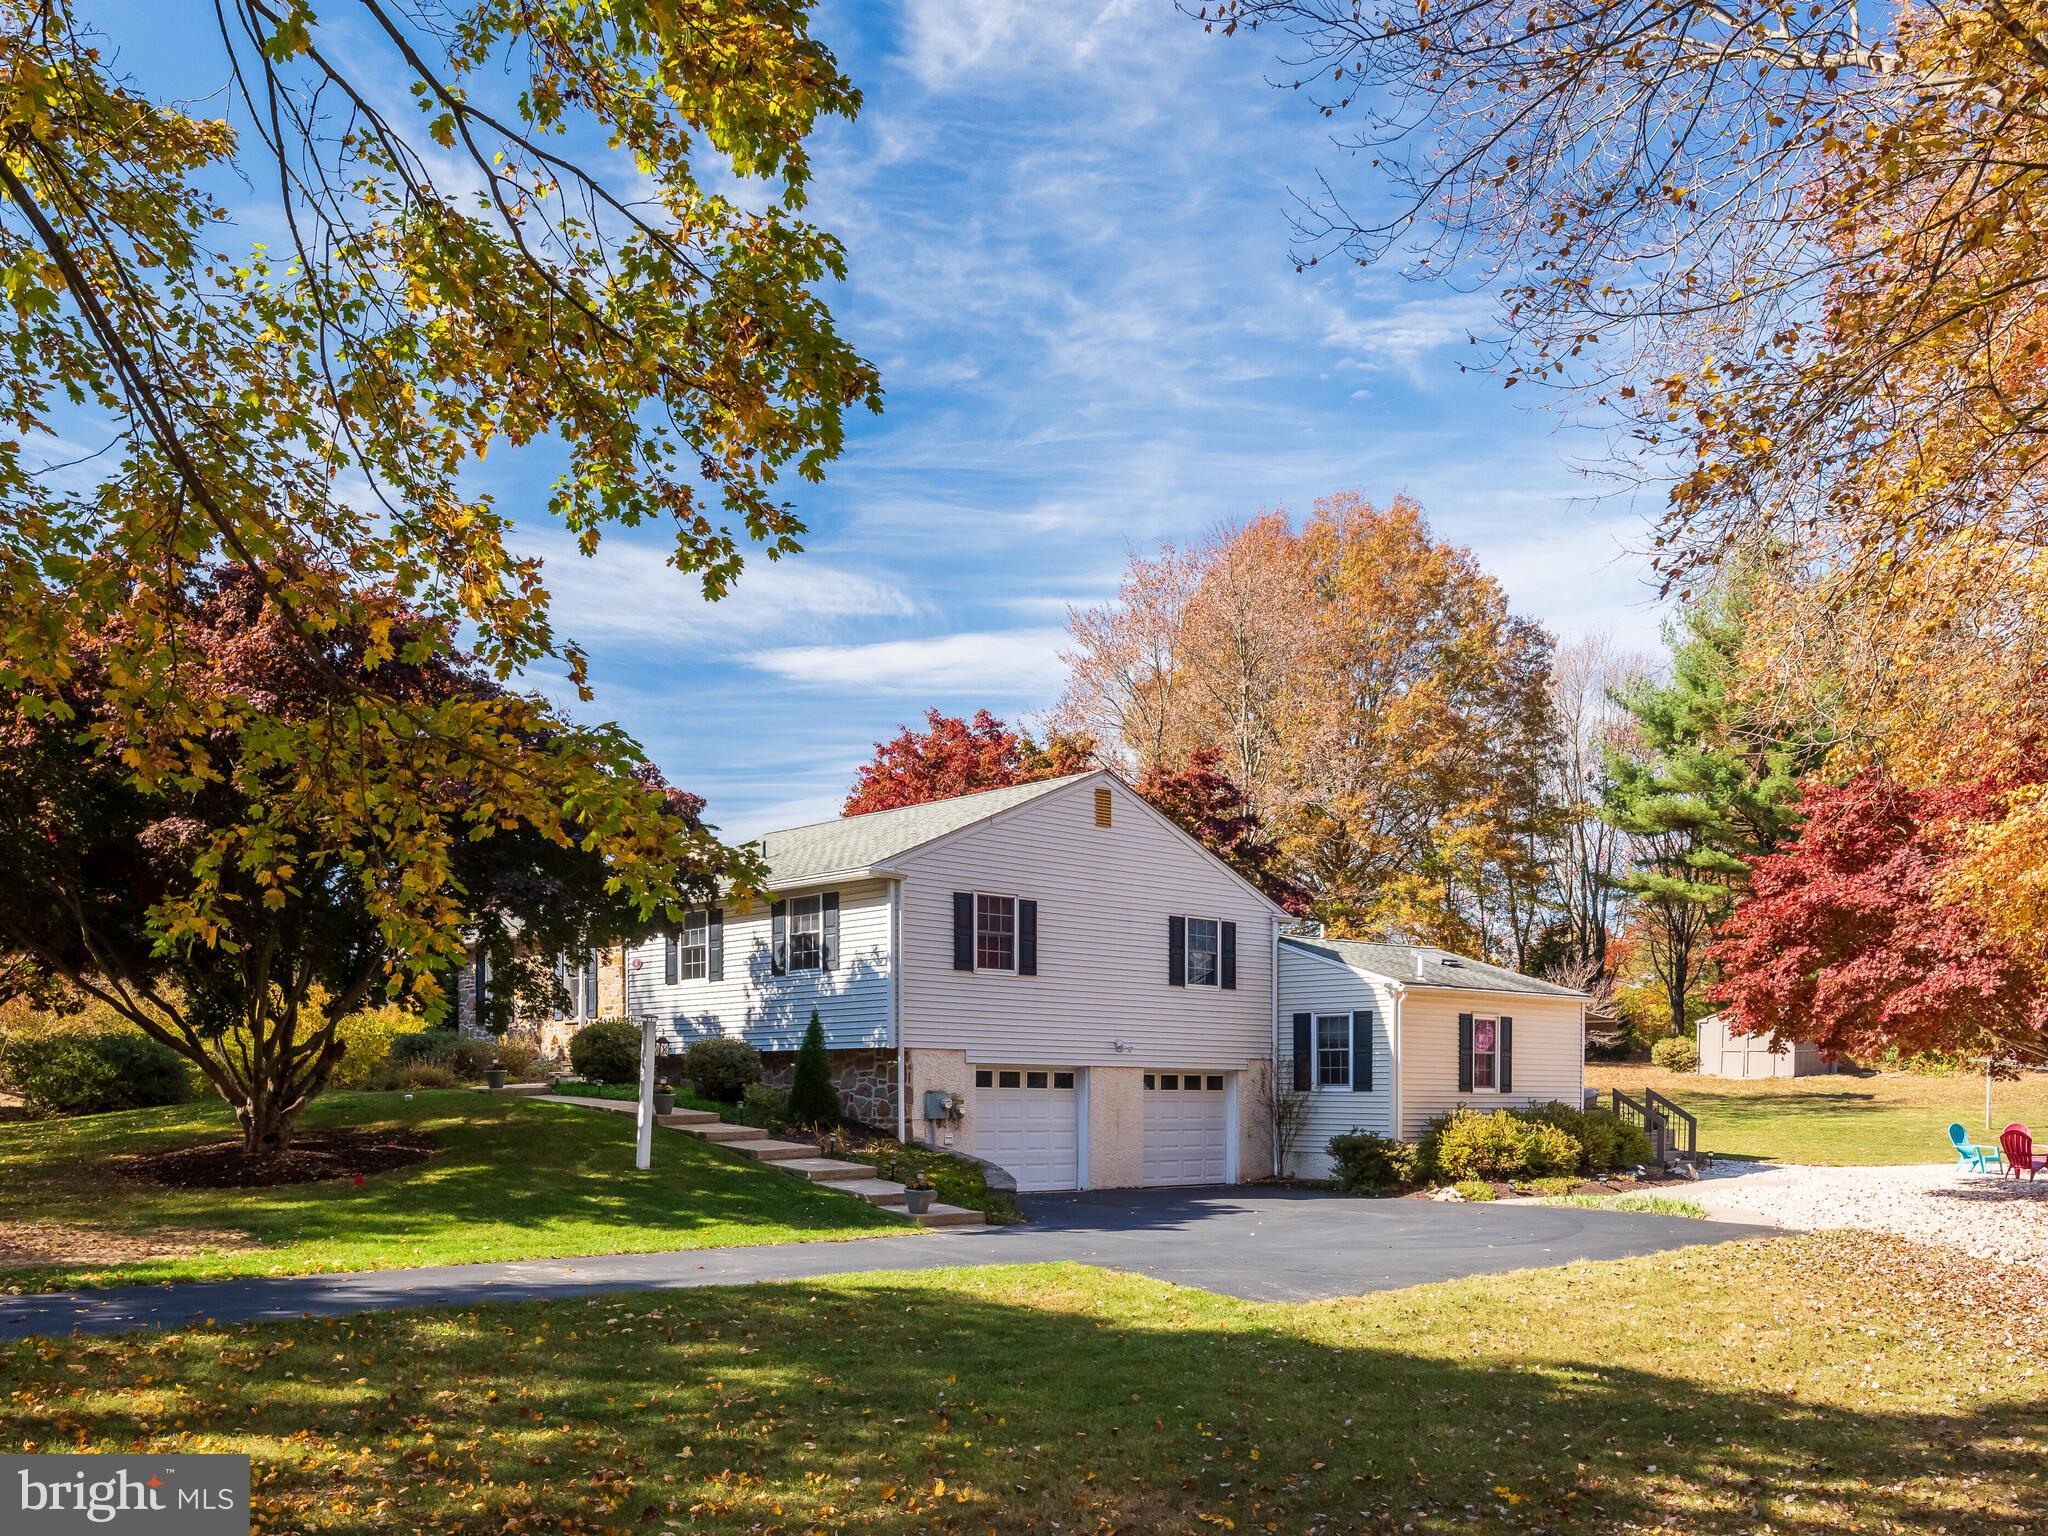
(996, 665)
(628, 592)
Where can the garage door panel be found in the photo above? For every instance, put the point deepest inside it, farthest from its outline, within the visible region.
(1033, 1132)
(1187, 1118)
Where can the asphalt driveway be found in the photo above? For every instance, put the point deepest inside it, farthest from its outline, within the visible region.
(1260, 1244)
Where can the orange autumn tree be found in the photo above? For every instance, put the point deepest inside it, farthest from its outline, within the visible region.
(1366, 687)
(1795, 258)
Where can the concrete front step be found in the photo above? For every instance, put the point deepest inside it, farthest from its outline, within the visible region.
(682, 1117)
(722, 1133)
(823, 1170)
(767, 1151)
(950, 1216)
(875, 1191)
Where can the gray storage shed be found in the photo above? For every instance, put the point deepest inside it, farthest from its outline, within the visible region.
(1726, 1054)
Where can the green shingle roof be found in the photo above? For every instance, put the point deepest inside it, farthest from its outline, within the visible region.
(1396, 962)
(855, 843)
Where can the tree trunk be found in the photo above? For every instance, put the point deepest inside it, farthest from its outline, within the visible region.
(267, 1125)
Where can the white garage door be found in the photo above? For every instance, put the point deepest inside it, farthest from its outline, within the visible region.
(1187, 1118)
(1027, 1120)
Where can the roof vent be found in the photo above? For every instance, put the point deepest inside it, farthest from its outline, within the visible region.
(1449, 960)
(1418, 965)
(1102, 807)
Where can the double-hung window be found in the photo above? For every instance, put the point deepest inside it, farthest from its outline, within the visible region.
(806, 933)
(1485, 1054)
(995, 933)
(1333, 1050)
(1205, 952)
(693, 947)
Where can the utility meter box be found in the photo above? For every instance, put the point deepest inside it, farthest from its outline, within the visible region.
(941, 1105)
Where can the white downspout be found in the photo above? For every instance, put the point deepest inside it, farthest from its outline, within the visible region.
(1394, 1045)
(896, 1004)
(1273, 1032)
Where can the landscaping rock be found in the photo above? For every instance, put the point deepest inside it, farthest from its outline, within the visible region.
(2000, 1219)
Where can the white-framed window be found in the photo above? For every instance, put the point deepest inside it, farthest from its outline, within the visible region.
(1485, 1055)
(693, 947)
(806, 933)
(1333, 1050)
(580, 982)
(995, 933)
(1205, 952)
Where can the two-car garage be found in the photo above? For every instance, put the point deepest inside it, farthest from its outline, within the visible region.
(1029, 1121)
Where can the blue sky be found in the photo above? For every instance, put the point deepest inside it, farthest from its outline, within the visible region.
(1068, 237)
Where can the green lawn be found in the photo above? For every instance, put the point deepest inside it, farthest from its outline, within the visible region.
(514, 1179)
(1893, 1117)
(1800, 1386)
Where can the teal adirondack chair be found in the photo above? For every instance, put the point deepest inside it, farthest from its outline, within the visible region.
(1971, 1156)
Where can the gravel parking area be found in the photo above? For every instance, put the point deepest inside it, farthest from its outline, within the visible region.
(1984, 1216)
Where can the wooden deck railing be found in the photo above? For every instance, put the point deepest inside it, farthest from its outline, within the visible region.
(1672, 1132)
(1681, 1130)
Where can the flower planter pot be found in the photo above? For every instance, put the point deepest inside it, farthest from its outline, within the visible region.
(494, 1077)
(918, 1201)
(664, 1101)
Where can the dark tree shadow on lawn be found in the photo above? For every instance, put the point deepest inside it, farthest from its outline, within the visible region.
(778, 1396)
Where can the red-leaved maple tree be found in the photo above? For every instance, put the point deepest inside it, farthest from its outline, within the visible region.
(952, 756)
(1846, 940)
(1209, 805)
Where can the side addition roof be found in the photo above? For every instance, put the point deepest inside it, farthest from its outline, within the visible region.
(1451, 973)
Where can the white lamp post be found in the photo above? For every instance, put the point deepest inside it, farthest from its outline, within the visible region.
(643, 1144)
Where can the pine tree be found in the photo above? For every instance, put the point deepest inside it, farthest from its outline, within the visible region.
(1704, 786)
(813, 1100)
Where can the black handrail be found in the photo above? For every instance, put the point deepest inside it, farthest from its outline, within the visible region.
(1687, 1145)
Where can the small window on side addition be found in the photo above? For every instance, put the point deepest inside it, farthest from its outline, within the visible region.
(1063, 1079)
(984, 1079)
(1006, 1079)
(1034, 1079)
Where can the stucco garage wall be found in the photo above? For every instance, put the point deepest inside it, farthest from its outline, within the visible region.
(1115, 1148)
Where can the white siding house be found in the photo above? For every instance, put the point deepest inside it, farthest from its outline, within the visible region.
(1450, 1031)
(1054, 977)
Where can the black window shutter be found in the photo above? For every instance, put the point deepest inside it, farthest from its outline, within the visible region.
(1027, 938)
(1361, 1051)
(1176, 951)
(1304, 1052)
(1464, 1053)
(828, 944)
(671, 958)
(1506, 1069)
(778, 937)
(963, 930)
(714, 945)
(1230, 955)
(590, 985)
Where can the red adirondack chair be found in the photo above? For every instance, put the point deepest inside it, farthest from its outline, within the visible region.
(2018, 1144)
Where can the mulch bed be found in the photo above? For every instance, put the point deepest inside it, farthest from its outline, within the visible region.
(312, 1159)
